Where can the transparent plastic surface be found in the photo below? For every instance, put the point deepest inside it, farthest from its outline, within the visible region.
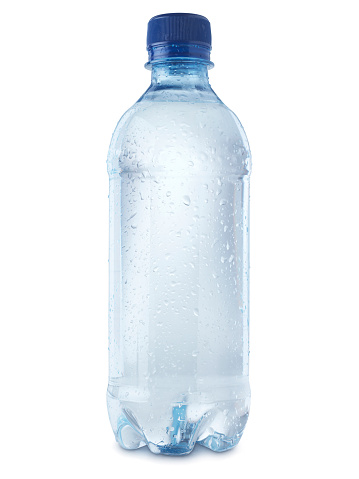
(179, 165)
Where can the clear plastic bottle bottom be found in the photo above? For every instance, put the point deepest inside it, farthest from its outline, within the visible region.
(174, 427)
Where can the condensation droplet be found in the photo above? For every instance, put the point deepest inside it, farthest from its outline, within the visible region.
(186, 200)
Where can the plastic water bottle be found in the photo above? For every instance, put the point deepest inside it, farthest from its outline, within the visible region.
(179, 165)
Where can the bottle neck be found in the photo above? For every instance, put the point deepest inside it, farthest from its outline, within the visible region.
(180, 75)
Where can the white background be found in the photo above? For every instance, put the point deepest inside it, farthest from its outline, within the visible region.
(289, 69)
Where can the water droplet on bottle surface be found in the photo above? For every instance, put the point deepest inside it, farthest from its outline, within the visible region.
(186, 200)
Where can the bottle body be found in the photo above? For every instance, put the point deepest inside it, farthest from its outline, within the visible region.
(179, 166)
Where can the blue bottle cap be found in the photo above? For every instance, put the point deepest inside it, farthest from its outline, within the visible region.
(179, 35)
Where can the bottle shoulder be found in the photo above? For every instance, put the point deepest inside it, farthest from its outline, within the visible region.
(163, 135)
